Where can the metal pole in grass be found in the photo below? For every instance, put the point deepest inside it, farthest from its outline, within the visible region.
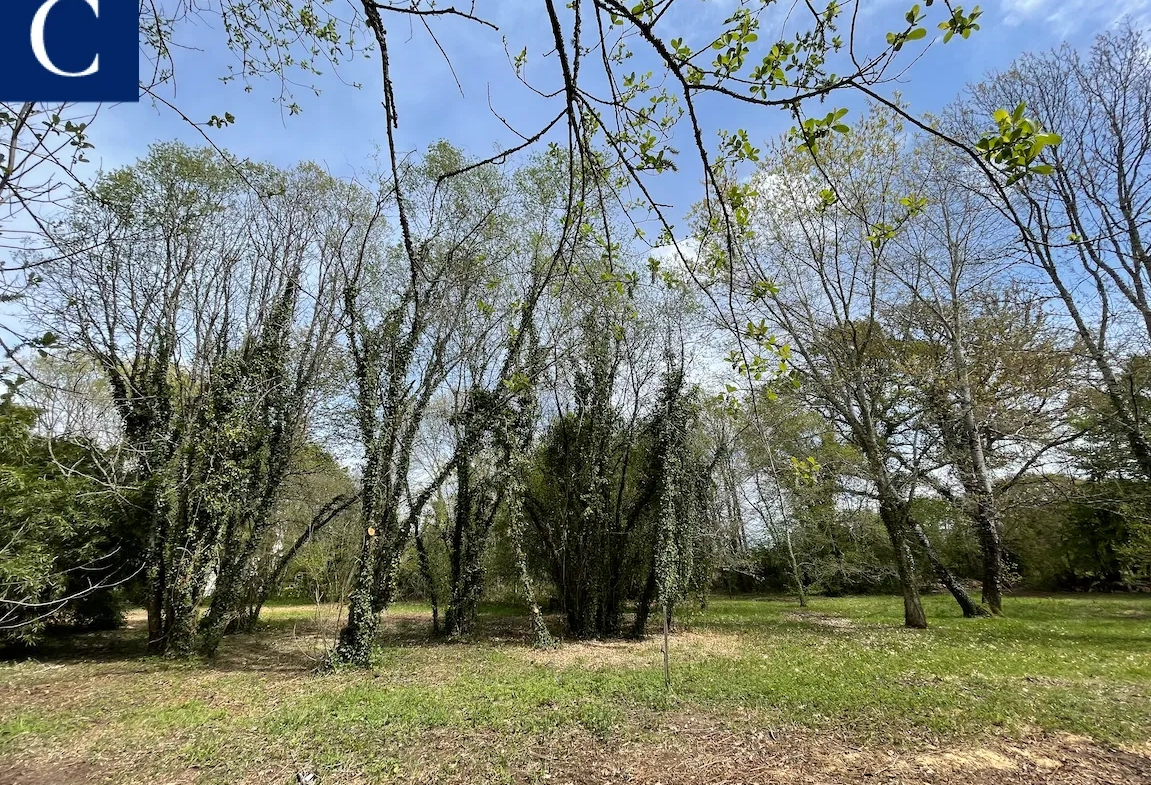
(666, 671)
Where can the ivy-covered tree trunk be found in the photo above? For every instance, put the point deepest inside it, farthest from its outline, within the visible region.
(354, 646)
(180, 634)
(190, 558)
(226, 605)
(517, 468)
(358, 635)
(643, 605)
(685, 500)
(142, 394)
(467, 540)
(589, 451)
(467, 576)
(425, 562)
(385, 536)
(261, 434)
(157, 569)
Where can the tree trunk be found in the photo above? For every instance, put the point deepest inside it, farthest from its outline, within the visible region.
(913, 615)
(643, 607)
(796, 572)
(992, 548)
(354, 646)
(429, 580)
(543, 637)
(358, 635)
(453, 619)
(180, 635)
(891, 509)
(225, 607)
(945, 576)
(986, 510)
(187, 578)
(157, 571)
(155, 621)
(666, 653)
(467, 537)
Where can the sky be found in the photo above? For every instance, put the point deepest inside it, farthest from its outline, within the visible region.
(342, 127)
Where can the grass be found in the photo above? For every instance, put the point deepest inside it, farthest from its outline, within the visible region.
(494, 708)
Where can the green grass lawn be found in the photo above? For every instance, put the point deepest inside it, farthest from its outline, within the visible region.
(491, 708)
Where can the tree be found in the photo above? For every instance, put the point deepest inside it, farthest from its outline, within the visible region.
(818, 273)
(620, 492)
(206, 291)
(496, 398)
(991, 403)
(583, 498)
(65, 540)
(1084, 226)
(403, 318)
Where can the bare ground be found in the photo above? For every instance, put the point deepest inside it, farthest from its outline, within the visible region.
(689, 751)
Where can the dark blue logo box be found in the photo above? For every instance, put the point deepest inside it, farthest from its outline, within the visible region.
(70, 50)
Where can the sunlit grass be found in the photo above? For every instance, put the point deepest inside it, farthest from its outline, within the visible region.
(1074, 664)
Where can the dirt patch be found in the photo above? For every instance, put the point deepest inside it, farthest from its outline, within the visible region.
(822, 619)
(679, 750)
(599, 655)
(50, 773)
(695, 753)
(72, 771)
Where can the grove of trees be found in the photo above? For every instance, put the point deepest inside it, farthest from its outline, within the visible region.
(903, 356)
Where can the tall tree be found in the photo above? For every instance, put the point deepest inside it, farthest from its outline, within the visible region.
(403, 303)
(990, 404)
(496, 391)
(1085, 226)
(205, 291)
(818, 272)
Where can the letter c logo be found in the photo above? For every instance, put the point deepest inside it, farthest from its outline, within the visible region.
(41, 52)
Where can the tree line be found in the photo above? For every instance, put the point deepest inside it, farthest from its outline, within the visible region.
(452, 378)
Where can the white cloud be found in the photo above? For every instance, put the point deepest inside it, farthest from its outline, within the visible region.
(1065, 17)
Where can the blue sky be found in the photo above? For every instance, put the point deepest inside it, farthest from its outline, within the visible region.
(342, 126)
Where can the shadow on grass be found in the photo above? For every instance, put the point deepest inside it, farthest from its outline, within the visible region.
(295, 639)
(290, 640)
